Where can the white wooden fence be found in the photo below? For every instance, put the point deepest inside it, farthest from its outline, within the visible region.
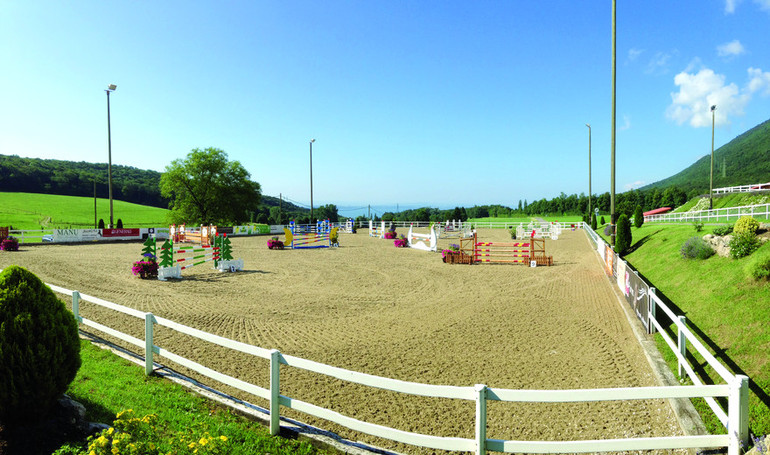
(761, 211)
(743, 188)
(735, 390)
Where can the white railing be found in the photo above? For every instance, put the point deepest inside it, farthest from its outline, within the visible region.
(716, 215)
(736, 391)
(735, 419)
(743, 188)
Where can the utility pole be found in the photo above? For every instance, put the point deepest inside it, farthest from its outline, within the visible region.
(612, 159)
(95, 225)
(280, 208)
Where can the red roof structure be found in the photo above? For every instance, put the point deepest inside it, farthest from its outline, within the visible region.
(763, 186)
(657, 211)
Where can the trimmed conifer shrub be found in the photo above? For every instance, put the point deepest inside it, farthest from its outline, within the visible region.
(623, 235)
(638, 217)
(39, 346)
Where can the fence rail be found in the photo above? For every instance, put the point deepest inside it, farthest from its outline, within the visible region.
(725, 214)
(743, 188)
(736, 392)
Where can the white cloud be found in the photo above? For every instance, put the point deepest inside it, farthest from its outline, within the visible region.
(636, 184)
(730, 6)
(634, 53)
(759, 81)
(699, 91)
(626, 123)
(658, 63)
(730, 49)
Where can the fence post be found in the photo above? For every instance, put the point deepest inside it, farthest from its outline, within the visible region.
(481, 419)
(651, 309)
(682, 343)
(149, 345)
(275, 392)
(76, 307)
(738, 414)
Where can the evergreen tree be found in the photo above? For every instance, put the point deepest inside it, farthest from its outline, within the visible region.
(623, 235)
(638, 217)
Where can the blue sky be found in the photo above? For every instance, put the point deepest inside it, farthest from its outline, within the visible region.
(411, 103)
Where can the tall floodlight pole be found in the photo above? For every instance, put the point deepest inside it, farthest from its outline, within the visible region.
(311, 180)
(589, 173)
(711, 178)
(110, 88)
(612, 139)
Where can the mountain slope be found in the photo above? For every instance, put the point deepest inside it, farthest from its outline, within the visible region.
(743, 161)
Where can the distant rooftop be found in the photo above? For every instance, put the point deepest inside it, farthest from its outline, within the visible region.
(657, 211)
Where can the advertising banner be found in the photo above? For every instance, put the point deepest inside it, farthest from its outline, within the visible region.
(121, 234)
(637, 296)
(67, 235)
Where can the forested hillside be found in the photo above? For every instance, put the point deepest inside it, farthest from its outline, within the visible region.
(743, 161)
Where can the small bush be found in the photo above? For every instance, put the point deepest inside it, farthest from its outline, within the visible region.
(697, 225)
(101, 223)
(120, 224)
(758, 267)
(743, 244)
(623, 236)
(723, 230)
(696, 248)
(39, 346)
(602, 222)
(593, 222)
(746, 224)
(638, 217)
(9, 244)
(607, 229)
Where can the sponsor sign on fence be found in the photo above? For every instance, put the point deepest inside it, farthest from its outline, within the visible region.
(636, 292)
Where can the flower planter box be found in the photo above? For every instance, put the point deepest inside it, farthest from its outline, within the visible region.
(458, 257)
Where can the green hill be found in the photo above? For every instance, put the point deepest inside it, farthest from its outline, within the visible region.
(743, 161)
(29, 211)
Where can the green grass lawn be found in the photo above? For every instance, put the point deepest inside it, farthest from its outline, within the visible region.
(727, 309)
(107, 384)
(31, 211)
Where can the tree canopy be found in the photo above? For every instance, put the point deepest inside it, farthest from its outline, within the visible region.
(206, 188)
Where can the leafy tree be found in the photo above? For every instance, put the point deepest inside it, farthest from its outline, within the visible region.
(623, 235)
(638, 217)
(206, 188)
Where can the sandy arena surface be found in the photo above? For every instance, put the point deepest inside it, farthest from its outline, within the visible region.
(400, 313)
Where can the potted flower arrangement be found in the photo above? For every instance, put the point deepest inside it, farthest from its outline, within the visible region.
(147, 267)
(401, 243)
(390, 235)
(453, 255)
(275, 244)
(9, 244)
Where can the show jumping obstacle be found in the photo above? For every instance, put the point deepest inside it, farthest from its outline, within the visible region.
(201, 235)
(375, 231)
(427, 242)
(219, 252)
(531, 251)
(348, 229)
(454, 229)
(298, 238)
(539, 231)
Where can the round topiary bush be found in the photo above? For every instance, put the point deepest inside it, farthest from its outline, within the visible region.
(746, 224)
(39, 346)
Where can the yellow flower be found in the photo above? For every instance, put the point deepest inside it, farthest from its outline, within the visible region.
(224, 438)
(152, 446)
(191, 445)
(110, 430)
(203, 441)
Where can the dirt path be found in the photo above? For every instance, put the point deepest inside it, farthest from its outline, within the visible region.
(370, 307)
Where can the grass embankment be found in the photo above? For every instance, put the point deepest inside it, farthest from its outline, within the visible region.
(725, 200)
(724, 307)
(31, 211)
(107, 384)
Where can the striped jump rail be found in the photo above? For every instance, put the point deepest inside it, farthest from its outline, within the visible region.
(506, 253)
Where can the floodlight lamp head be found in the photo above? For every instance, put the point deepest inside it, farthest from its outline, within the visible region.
(713, 108)
(312, 140)
(588, 125)
(112, 87)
